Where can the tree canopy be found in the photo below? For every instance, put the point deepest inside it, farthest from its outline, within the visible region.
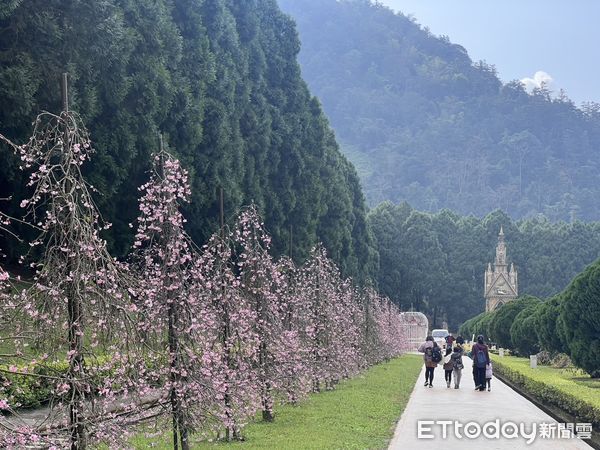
(220, 80)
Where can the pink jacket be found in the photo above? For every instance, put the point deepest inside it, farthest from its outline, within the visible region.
(488, 370)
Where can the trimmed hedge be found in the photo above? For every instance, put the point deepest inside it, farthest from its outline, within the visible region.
(523, 332)
(580, 315)
(548, 325)
(504, 317)
(580, 406)
(476, 325)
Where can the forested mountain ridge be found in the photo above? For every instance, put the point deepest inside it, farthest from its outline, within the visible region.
(425, 124)
(220, 80)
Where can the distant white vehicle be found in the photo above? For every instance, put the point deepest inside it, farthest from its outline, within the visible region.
(439, 336)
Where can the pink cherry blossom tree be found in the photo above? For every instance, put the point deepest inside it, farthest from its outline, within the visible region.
(348, 334)
(4, 277)
(345, 330)
(76, 306)
(264, 286)
(174, 315)
(5, 286)
(293, 352)
(318, 285)
(204, 336)
(231, 352)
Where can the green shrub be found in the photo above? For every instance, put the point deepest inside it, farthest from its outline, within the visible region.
(466, 330)
(477, 325)
(33, 386)
(561, 361)
(503, 318)
(547, 324)
(33, 389)
(580, 313)
(483, 326)
(522, 331)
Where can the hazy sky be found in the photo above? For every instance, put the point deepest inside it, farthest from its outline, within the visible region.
(559, 39)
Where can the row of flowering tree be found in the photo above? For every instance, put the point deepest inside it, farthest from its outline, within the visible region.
(198, 339)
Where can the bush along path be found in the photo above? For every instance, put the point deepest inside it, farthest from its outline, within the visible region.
(568, 390)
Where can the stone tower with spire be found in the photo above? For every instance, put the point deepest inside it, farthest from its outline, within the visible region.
(501, 283)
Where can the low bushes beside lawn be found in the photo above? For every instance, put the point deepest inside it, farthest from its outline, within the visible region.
(571, 390)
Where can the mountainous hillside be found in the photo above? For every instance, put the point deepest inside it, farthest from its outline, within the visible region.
(220, 80)
(425, 124)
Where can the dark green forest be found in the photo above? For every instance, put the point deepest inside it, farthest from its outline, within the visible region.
(220, 80)
(436, 262)
(424, 123)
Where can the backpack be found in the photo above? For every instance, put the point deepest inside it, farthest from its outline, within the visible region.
(436, 354)
(428, 353)
(480, 360)
(457, 361)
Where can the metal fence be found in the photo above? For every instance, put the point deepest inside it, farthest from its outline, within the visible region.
(415, 326)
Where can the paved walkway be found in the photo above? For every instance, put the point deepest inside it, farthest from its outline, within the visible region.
(466, 405)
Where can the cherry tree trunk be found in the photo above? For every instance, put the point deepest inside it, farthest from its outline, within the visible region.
(180, 432)
(77, 430)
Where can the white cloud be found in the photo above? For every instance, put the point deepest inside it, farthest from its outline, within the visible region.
(539, 78)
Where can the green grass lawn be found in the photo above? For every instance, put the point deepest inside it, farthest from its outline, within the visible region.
(361, 414)
(570, 389)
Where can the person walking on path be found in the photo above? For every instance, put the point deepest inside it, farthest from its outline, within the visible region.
(448, 366)
(457, 365)
(481, 358)
(427, 348)
(488, 376)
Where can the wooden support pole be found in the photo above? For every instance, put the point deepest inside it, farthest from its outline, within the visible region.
(291, 249)
(65, 92)
(222, 212)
